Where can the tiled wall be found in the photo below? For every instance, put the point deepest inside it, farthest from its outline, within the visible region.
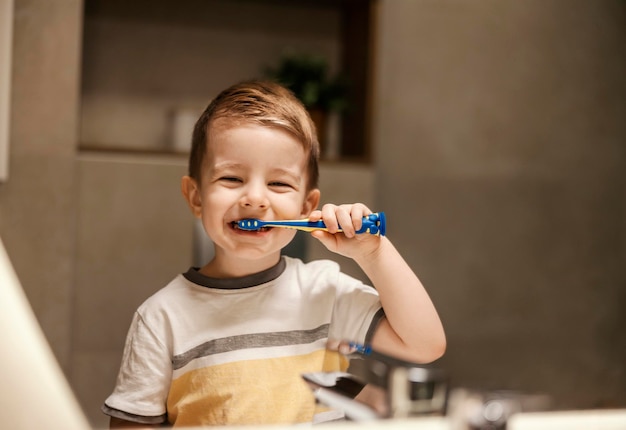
(134, 234)
(345, 183)
(499, 135)
(37, 203)
(501, 141)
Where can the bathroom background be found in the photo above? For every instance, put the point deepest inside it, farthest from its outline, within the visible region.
(492, 134)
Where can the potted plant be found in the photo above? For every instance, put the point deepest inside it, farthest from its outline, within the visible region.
(307, 76)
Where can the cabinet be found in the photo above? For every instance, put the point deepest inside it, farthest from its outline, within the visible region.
(151, 66)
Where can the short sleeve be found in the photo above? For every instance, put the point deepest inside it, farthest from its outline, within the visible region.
(357, 310)
(144, 378)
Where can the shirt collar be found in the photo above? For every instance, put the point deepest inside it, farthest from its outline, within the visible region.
(194, 275)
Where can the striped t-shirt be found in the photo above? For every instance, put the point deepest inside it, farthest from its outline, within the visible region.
(205, 351)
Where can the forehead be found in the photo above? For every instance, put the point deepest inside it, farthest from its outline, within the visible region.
(254, 144)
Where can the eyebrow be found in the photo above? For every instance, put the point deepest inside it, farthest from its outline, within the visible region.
(290, 173)
(227, 165)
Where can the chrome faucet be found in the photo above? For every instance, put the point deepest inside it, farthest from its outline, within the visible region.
(379, 386)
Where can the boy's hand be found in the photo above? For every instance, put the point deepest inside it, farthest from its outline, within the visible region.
(350, 218)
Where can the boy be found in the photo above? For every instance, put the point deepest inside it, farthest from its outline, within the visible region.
(226, 343)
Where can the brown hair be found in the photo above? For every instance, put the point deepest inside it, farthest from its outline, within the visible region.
(261, 102)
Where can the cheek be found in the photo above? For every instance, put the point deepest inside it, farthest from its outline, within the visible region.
(214, 208)
(288, 206)
(218, 197)
(286, 235)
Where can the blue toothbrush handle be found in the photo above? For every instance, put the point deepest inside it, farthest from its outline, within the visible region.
(373, 224)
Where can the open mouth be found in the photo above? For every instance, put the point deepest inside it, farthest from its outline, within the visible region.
(235, 226)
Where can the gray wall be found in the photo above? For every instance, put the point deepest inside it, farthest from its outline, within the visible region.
(37, 204)
(501, 132)
(499, 138)
(146, 61)
(133, 235)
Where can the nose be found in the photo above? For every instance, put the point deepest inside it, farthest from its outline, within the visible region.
(254, 196)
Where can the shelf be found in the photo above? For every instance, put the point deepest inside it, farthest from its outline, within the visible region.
(147, 62)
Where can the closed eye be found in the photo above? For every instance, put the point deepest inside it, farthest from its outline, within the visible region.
(230, 179)
(278, 184)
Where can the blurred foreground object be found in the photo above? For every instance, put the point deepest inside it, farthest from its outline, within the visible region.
(379, 386)
(34, 393)
(491, 410)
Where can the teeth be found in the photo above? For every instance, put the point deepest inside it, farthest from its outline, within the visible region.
(235, 225)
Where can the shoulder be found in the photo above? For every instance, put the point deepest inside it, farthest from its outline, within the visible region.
(312, 268)
(325, 274)
(173, 292)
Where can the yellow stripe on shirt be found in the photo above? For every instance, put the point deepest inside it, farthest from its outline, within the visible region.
(266, 391)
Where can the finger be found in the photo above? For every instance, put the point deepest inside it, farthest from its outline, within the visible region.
(329, 215)
(358, 212)
(316, 215)
(333, 344)
(345, 348)
(344, 218)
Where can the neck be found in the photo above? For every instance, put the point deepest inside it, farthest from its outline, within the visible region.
(227, 267)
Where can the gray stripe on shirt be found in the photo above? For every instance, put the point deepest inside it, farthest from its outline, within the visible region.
(248, 341)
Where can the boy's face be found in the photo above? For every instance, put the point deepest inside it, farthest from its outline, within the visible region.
(250, 171)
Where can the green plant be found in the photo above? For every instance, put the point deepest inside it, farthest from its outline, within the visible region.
(307, 76)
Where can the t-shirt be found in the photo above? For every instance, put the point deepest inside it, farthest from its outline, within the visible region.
(206, 351)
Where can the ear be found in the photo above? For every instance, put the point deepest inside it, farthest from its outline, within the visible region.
(191, 192)
(311, 202)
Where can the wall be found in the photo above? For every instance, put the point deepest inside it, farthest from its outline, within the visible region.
(145, 61)
(500, 139)
(499, 133)
(134, 234)
(343, 183)
(37, 203)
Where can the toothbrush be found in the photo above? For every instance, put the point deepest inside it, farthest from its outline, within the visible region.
(372, 224)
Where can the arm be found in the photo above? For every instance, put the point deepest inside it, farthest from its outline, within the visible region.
(412, 329)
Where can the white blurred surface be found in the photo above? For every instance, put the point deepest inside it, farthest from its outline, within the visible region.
(562, 420)
(570, 420)
(33, 391)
